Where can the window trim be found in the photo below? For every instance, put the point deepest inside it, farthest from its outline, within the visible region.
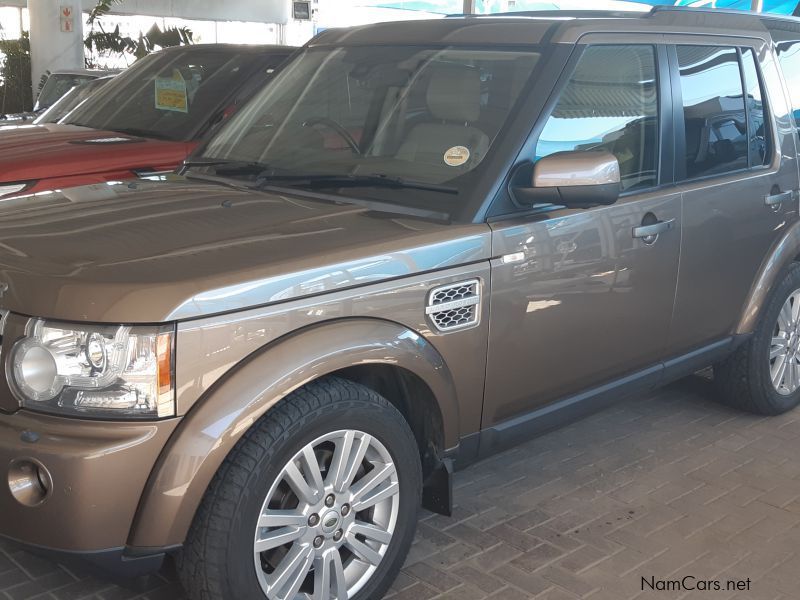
(679, 121)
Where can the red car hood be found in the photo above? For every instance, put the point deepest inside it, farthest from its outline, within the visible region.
(35, 152)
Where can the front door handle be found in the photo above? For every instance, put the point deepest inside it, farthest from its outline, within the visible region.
(779, 198)
(649, 232)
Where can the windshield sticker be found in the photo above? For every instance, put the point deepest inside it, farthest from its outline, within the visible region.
(171, 93)
(456, 156)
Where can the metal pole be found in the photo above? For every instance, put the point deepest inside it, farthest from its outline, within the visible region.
(469, 7)
(757, 5)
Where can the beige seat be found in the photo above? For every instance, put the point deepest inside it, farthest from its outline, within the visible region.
(454, 99)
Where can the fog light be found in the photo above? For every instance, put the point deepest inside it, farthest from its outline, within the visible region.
(29, 481)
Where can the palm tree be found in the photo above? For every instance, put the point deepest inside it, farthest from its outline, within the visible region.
(99, 41)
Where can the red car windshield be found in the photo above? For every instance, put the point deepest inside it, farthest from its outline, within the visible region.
(171, 95)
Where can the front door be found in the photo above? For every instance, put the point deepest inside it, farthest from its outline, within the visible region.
(581, 297)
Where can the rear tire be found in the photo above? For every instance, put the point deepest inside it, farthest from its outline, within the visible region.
(763, 375)
(280, 482)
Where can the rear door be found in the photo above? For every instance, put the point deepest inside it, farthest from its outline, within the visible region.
(736, 170)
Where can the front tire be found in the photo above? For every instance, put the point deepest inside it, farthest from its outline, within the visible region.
(318, 501)
(763, 375)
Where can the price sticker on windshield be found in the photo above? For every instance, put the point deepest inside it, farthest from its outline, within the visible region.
(171, 94)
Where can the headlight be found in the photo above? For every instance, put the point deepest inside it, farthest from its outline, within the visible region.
(95, 371)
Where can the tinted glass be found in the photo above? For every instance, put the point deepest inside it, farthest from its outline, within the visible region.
(789, 58)
(758, 131)
(57, 85)
(69, 101)
(610, 103)
(170, 95)
(423, 114)
(714, 112)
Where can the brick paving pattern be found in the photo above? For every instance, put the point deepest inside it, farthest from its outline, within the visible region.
(663, 486)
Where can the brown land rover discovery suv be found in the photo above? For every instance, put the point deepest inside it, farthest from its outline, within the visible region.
(420, 244)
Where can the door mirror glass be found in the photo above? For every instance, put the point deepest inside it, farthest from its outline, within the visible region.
(573, 179)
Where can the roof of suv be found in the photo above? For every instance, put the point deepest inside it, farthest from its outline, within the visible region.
(238, 48)
(532, 27)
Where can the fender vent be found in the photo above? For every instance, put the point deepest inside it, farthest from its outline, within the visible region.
(455, 306)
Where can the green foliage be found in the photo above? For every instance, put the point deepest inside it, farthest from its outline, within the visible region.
(16, 93)
(101, 42)
(103, 7)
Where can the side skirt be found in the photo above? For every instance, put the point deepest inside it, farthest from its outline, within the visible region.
(523, 428)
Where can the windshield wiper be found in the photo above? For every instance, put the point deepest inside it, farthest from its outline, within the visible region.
(343, 181)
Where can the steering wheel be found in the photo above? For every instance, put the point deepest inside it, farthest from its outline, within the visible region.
(336, 127)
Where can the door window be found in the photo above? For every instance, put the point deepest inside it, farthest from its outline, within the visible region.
(610, 103)
(757, 127)
(789, 59)
(714, 112)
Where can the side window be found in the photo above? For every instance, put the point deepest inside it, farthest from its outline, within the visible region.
(789, 59)
(610, 103)
(713, 109)
(757, 126)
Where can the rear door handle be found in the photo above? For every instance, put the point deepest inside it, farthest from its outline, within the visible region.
(650, 231)
(779, 198)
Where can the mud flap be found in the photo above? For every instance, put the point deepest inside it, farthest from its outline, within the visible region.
(437, 493)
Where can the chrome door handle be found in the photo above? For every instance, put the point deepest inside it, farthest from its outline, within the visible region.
(650, 231)
(779, 198)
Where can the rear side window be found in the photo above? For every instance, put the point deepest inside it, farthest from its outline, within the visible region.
(789, 58)
(757, 128)
(714, 110)
(610, 103)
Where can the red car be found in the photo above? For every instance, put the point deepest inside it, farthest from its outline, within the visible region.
(145, 121)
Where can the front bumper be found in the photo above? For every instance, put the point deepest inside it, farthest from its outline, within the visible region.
(95, 475)
(115, 564)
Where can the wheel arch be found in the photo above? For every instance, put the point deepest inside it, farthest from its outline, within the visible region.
(785, 252)
(377, 353)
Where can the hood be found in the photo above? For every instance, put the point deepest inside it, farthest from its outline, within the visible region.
(34, 152)
(150, 252)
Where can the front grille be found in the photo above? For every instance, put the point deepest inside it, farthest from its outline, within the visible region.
(455, 306)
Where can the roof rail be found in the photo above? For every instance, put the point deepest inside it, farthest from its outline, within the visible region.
(726, 11)
(586, 14)
(703, 9)
(627, 14)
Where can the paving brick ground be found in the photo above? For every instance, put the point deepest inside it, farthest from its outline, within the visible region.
(662, 486)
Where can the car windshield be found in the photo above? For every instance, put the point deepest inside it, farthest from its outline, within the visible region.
(379, 118)
(170, 95)
(56, 86)
(71, 100)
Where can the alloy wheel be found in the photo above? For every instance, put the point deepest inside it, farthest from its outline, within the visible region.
(328, 519)
(784, 352)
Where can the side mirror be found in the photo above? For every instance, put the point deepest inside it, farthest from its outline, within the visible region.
(579, 179)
